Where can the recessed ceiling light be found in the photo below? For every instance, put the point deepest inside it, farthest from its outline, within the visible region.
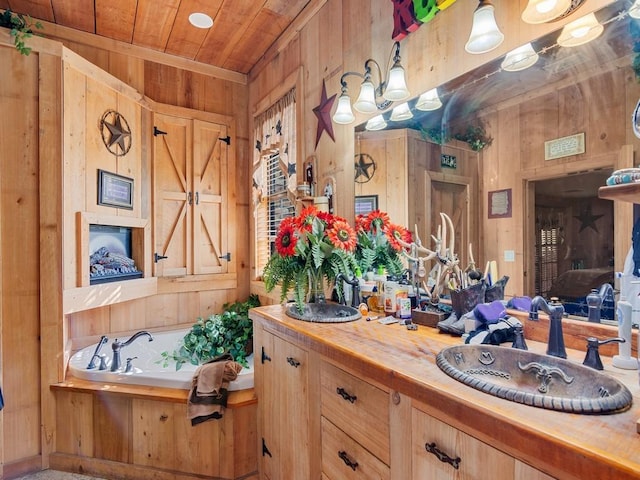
(200, 20)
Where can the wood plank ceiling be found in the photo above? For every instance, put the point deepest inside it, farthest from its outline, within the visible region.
(242, 29)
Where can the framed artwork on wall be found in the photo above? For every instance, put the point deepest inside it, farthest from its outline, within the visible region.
(500, 203)
(366, 204)
(115, 190)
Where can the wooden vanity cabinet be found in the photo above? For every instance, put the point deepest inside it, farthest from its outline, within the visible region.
(355, 426)
(282, 386)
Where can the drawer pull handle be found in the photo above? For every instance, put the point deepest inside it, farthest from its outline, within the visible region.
(443, 457)
(293, 362)
(347, 461)
(343, 393)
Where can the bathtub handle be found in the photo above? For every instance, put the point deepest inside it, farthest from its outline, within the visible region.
(293, 362)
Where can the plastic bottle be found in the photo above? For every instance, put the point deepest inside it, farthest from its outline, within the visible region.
(624, 359)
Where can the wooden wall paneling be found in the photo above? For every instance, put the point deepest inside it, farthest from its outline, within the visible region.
(89, 323)
(99, 100)
(53, 327)
(74, 150)
(162, 309)
(111, 422)
(75, 423)
(19, 224)
(127, 316)
(130, 165)
(129, 70)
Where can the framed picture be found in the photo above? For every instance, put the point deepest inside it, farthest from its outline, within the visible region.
(500, 203)
(366, 204)
(115, 190)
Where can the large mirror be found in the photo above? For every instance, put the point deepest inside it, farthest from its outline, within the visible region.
(565, 121)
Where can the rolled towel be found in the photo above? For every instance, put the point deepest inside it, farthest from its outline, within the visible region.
(490, 312)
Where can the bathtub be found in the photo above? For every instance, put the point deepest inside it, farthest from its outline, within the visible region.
(145, 369)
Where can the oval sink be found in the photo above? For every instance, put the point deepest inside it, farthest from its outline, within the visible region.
(324, 312)
(534, 379)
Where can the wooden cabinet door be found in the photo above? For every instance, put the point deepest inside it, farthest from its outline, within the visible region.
(191, 199)
(440, 451)
(284, 408)
(210, 220)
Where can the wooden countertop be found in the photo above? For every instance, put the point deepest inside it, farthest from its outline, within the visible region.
(564, 445)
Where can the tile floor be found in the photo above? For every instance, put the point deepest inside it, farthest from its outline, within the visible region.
(56, 475)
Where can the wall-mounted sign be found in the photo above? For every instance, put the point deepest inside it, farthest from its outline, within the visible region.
(564, 147)
(448, 161)
(500, 203)
(115, 190)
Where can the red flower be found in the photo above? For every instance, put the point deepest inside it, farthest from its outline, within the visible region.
(286, 239)
(360, 223)
(376, 220)
(397, 232)
(306, 218)
(342, 235)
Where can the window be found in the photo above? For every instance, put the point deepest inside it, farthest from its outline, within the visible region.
(547, 241)
(274, 175)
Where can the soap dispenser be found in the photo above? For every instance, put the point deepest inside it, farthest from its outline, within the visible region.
(624, 359)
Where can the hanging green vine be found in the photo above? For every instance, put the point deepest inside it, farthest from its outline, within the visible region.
(21, 29)
(475, 136)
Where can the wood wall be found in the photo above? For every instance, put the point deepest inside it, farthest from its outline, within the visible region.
(336, 38)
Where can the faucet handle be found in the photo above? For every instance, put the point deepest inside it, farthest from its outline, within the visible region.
(592, 358)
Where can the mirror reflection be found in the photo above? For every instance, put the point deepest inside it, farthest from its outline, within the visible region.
(446, 153)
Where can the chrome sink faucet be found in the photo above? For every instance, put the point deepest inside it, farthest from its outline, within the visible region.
(117, 346)
(555, 310)
(595, 299)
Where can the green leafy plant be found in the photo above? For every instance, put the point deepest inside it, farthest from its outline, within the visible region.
(476, 137)
(21, 29)
(228, 332)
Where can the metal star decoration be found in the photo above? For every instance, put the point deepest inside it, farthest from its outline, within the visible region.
(365, 167)
(587, 219)
(323, 112)
(115, 134)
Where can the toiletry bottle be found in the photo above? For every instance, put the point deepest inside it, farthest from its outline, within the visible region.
(624, 359)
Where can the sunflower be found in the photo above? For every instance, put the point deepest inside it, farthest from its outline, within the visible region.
(376, 220)
(306, 218)
(397, 232)
(286, 239)
(342, 235)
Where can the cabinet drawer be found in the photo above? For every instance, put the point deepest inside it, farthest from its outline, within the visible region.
(356, 407)
(441, 451)
(343, 457)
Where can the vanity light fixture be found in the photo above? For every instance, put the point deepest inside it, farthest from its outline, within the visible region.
(376, 123)
(634, 11)
(373, 97)
(200, 20)
(429, 100)
(580, 31)
(542, 11)
(520, 58)
(401, 112)
(485, 34)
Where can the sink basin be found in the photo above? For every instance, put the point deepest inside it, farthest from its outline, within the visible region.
(324, 312)
(534, 379)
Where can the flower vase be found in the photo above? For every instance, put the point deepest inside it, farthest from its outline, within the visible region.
(315, 293)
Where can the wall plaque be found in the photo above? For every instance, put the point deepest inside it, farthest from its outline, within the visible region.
(115, 190)
(564, 147)
(500, 203)
(448, 161)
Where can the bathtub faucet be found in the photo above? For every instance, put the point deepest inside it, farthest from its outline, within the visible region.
(117, 346)
(595, 300)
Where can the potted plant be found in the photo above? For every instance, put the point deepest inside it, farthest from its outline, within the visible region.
(21, 29)
(228, 332)
(310, 248)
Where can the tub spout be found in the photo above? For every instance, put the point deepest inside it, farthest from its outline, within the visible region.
(116, 346)
(555, 310)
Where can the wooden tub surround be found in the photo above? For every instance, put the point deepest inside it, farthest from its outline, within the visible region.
(141, 433)
(372, 399)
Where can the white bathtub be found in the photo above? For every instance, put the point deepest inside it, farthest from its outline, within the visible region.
(146, 370)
